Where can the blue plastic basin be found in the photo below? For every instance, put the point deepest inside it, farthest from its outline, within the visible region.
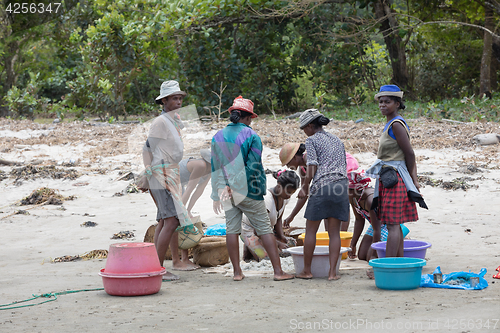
(397, 273)
(412, 248)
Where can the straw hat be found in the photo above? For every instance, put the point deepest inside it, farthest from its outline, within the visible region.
(389, 90)
(243, 104)
(169, 88)
(308, 116)
(288, 152)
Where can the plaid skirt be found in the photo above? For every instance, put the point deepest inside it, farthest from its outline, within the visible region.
(394, 206)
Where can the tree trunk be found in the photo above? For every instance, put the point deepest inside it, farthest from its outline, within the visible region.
(493, 74)
(485, 76)
(9, 59)
(389, 28)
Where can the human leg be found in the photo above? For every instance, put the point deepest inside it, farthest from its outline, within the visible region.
(394, 240)
(401, 248)
(309, 246)
(334, 246)
(233, 249)
(269, 242)
(359, 225)
(183, 263)
(163, 235)
(364, 247)
(233, 229)
(256, 212)
(344, 226)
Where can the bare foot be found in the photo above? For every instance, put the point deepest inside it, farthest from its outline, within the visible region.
(303, 275)
(333, 278)
(184, 266)
(369, 273)
(169, 277)
(283, 276)
(238, 277)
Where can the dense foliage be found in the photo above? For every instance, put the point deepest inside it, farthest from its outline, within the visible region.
(108, 58)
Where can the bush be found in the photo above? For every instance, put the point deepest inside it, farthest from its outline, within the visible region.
(24, 103)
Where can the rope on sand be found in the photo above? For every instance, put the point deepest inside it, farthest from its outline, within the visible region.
(47, 295)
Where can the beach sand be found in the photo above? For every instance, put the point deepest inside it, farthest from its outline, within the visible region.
(462, 226)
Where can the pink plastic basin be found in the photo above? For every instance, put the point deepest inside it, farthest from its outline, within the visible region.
(132, 284)
(132, 258)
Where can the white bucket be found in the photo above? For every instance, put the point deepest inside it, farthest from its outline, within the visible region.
(320, 265)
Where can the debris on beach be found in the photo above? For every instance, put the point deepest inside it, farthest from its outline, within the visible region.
(125, 175)
(88, 224)
(22, 212)
(469, 169)
(3, 175)
(426, 180)
(94, 254)
(66, 258)
(45, 195)
(81, 184)
(30, 172)
(123, 235)
(460, 183)
(132, 188)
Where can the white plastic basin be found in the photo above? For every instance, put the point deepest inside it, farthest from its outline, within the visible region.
(320, 265)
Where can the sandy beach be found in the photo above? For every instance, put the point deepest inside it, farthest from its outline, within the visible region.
(461, 223)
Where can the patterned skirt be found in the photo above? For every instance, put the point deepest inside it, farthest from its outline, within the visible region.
(394, 206)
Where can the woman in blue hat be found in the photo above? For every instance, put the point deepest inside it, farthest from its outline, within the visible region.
(397, 188)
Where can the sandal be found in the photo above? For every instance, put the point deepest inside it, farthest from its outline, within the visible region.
(498, 269)
(497, 276)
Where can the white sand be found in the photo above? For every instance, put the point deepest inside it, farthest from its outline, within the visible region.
(213, 302)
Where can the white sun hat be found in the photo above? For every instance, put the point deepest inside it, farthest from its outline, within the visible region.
(169, 88)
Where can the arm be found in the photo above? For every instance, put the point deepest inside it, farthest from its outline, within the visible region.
(147, 156)
(359, 223)
(312, 167)
(298, 206)
(310, 172)
(405, 145)
(278, 228)
(197, 194)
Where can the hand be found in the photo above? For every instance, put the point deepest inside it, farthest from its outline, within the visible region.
(304, 193)
(287, 221)
(417, 185)
(225, 194)
(281, 245)
(217, 207)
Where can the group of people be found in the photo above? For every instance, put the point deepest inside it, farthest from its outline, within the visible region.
(328, 179)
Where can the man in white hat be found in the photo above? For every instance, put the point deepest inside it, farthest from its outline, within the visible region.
(162, 153)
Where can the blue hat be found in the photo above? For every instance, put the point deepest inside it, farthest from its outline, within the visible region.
(389, 90)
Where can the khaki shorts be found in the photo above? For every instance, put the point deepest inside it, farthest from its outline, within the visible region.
(257, 215)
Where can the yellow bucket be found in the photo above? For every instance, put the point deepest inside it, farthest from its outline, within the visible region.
(322, 239)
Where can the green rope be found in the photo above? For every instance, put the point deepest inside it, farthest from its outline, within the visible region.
(47, 295)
